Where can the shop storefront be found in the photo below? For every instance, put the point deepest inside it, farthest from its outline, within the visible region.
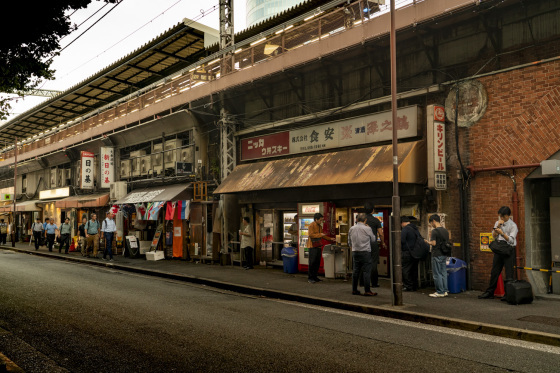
(336, 184)
(83, 206)
(26, 213)
(158, 218)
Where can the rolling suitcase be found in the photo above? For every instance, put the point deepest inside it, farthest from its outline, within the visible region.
(519, 292)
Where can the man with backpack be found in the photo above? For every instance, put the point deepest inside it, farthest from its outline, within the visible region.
(439, 241)
(92, 234)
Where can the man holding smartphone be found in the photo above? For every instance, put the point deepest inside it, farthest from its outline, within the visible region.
(504, 229)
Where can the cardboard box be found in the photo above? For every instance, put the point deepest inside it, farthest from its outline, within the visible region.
(154, 255)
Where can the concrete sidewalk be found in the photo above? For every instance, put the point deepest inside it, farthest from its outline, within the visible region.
(536, 322)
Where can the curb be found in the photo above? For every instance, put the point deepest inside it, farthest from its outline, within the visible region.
(393, 313)
(6, 365)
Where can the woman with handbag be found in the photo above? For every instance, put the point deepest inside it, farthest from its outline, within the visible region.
(315, 246)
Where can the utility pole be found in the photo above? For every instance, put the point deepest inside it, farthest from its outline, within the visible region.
(227, 126)
(226, 36)
(15, 191)
(396, 249)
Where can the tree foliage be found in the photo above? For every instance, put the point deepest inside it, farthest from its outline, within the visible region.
(31, 39)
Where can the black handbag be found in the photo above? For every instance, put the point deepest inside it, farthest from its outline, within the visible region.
(501, 247)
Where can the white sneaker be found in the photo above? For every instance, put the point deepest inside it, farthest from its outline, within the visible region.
(446, 294)
(437, 295)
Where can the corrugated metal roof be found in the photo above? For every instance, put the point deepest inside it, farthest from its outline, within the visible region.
(171, 51)
(364, 165)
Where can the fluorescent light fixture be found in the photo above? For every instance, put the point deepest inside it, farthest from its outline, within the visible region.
(284, 29)
(237, 51)
(358, 22)
(258, 41)
(177, 76)
(213, 62)
(308, 18)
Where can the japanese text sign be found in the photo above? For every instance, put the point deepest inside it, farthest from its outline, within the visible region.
(265, 146)
(107, 166)
(87, 169)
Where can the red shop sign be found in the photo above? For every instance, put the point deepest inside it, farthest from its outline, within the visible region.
(265, 146)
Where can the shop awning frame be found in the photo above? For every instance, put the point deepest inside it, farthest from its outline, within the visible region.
(355, 166)
(83, 201)
(25, 206)
(158, 194)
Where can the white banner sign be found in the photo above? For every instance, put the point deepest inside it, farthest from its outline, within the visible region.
(88, 161)
(437, 176)
(107, 166)
(355, 131)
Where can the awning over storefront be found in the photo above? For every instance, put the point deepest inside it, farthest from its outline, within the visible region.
(158, 194)
(27, 206)
(365, 165)
(86, 200)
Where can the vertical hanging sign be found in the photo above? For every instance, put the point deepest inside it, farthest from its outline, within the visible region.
(107, 166)
(87, 169)
(437, 170)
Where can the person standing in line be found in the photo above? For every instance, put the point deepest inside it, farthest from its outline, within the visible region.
(45, 242)
(50, 233)
(377, 229)
(108, 228)
(504, 230)
(360, 240)
(3, 231)
(82, 237)
(247, 242)
(65, 229)
(316, 234)
(439, 236)
(37, 229)
(92, 234)
(409, 234)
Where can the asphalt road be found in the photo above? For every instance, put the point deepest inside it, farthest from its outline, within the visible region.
(58, 316)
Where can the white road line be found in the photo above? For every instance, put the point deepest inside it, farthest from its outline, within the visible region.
(439, 329)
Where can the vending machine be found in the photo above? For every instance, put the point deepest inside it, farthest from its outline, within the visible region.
(305, 218)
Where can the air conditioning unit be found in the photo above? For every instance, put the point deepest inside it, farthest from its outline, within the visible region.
(67, 177)
(172, 147)
(117, 190)
(125, 169)
(157, 164)
(146, 165)
(135, 158)
(53, 178)
(186, 155)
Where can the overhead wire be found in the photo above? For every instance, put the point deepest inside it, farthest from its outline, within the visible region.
(89, 28)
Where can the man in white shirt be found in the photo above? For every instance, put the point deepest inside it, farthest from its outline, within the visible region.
(108, 228)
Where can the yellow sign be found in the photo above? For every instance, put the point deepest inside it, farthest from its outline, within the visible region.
(485, 240)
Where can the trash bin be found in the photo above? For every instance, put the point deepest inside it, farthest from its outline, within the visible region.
(289, 258)
(456, 275)
(328, 261)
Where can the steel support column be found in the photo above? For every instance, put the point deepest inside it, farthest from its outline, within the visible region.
(228, 160)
